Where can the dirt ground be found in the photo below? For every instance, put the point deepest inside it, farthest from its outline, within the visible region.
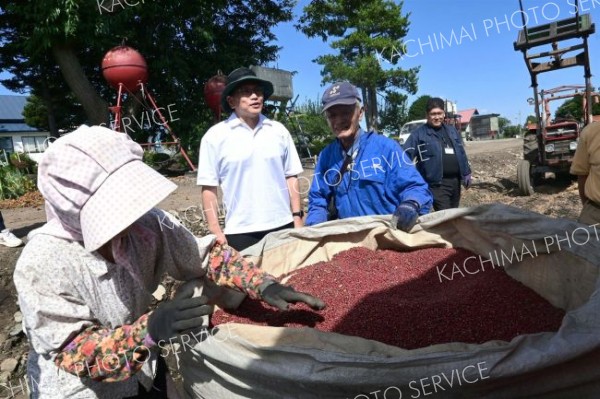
(494, 180)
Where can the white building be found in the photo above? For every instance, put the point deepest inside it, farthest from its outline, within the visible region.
(15, 134)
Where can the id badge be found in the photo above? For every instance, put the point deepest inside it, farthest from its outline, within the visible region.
(448, 150)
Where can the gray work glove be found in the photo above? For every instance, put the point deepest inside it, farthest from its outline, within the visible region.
(405, 216)
(180, 314)
(281, 296)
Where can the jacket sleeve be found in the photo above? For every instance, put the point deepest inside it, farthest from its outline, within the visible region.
(463, 152)
(229, 269)
(61, 326)
(186, 257)
(104, 354)
(318, 193)
(410, 148)
(407, 183)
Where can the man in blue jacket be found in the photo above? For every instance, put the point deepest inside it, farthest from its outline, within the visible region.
(440, 157)
(362, 173)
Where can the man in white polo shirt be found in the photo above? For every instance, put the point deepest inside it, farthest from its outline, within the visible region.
(254, 161)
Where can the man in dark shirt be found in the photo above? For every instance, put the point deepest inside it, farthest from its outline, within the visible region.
(440, 157)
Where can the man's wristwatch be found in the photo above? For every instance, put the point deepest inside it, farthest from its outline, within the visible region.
(300, 214)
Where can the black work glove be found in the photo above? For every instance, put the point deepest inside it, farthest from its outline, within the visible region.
(178, 315)
(281, 296)
(405, 216)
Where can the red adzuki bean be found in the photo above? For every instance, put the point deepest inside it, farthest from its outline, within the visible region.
(397, 298)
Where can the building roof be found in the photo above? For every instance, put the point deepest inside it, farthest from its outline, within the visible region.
(465, 115)
(484, 116)
(11, 115)
(8, 127)
(11, 108)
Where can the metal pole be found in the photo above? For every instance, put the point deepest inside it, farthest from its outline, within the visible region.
(588, 82)
(118, 109)
(166, 125)
(524, 22)
(539, 130)
(577, 15)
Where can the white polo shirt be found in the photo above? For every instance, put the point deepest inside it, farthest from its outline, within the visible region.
(251, 166)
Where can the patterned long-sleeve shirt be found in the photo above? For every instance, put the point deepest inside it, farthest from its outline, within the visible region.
(86, 316)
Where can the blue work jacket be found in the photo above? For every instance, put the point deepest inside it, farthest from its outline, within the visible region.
(424, 146)
(375, 183)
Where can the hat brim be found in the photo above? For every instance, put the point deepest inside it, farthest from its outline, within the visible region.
(125, 196)
(341, 101)
(265, 84)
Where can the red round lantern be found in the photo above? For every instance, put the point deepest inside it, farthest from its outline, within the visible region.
(213, 90)
(123, 64)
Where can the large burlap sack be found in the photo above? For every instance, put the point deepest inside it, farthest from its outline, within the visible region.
(557, 258)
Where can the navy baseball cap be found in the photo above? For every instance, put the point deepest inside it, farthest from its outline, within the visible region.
(343, 93)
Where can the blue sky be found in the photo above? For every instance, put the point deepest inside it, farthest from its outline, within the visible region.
(479, 69)
(476, 68)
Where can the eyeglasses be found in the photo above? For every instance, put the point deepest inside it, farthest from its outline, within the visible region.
(248, 91)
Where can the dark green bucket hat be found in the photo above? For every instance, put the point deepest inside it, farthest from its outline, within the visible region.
(239, 76)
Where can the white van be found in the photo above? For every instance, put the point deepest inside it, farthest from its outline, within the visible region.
(408, 128)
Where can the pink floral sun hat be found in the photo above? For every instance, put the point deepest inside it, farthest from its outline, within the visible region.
(96, 185)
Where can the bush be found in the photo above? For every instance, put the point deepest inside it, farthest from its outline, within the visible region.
(13, 183)
(156, 160)
(21, 161)
(309, 128)
(180, 163)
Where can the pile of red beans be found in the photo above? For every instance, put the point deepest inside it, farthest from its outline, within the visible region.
(399, 299)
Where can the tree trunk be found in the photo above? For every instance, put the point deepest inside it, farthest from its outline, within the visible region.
(95, 107)
(50, 108)
(370, 96)
(373, 110)
(367, 104)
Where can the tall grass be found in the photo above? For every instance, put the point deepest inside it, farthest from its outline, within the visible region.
(13, 183)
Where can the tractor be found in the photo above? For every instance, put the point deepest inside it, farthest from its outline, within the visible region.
(549, 145)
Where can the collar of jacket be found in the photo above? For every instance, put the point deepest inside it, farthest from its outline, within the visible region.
(360, 137)
(430, 130)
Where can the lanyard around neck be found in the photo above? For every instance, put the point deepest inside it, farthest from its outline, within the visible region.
(445, 137)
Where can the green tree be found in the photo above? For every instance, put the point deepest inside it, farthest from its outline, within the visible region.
(503, 123)
(573, 109)
(511, 131)
(36, 113)
(418, 109)
(182, 51)
(308, 128)
(65, 114)
(394, 113)
(367, 36)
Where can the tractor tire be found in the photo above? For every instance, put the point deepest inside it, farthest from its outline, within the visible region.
(530, 148)
(524, 177)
